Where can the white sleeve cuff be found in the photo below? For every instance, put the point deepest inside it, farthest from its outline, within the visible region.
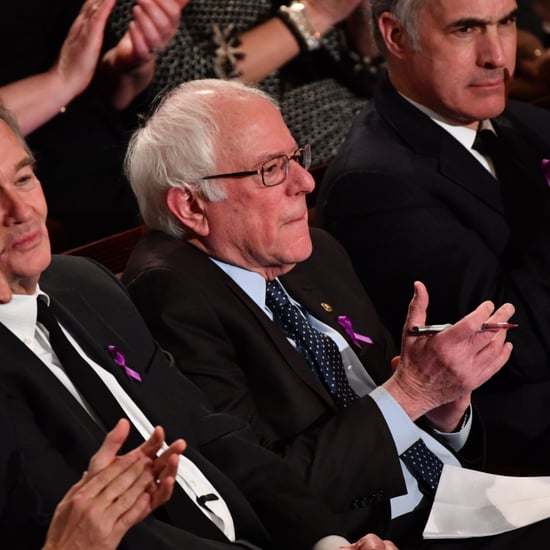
(332, 542)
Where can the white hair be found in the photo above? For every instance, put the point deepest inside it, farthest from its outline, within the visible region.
(178, 145)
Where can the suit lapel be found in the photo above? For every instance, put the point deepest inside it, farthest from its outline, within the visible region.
(219, 279)
(426, 138)
(29, 377)
(323, 308)
(94, 333)
(290, 356)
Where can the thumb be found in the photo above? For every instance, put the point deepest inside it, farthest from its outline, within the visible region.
(416, 315)
(109, 448)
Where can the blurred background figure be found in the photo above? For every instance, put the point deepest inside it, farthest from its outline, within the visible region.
(319, 62)
(75, 90)
(532, 78)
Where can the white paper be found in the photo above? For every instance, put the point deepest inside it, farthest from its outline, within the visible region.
(476, 504)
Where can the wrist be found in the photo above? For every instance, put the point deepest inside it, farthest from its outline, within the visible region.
(412, 404)
(448, 418)
(321, 21)
(60, 89)
(304, 25)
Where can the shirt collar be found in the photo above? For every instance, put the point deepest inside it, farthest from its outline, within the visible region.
(19, 315)
(465, 136)
(251, 282)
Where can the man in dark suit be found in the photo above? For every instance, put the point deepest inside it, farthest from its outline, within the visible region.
(211, 279)
(410, 192)
(77, 356)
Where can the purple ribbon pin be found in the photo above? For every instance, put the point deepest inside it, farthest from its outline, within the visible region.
(545, 165)
(345, 322)
(120, 360)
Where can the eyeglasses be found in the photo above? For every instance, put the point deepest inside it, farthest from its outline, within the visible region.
(274, 171)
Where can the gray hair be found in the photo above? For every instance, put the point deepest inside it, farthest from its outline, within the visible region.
(405, 11)
(10, 120)
(178, 145)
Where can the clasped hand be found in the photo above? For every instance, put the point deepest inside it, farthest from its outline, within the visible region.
(154, 24)
(115, 493)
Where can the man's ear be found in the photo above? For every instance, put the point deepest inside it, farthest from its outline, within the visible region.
(394, 35)
(188, 208)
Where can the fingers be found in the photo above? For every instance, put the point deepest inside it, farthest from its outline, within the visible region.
(416, 315)
(92, 18)
(165, 469)
(155, 23)
(5, 294)
(122, 491)
(502, 314)
(5, 290)
(442, 368)
(111, 445)
(491, 358)
(153, 444)
(166, 459)
(371, 542)
(164, 13)
(98, 510)
(98, 483)
(133, 473)
(80, 51)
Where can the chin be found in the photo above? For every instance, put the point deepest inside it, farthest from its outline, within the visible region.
(39, 262)
(302, 253)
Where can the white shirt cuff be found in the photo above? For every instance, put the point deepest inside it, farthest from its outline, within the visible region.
(332, 542)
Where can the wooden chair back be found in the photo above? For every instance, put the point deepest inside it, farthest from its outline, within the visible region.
(112, 251)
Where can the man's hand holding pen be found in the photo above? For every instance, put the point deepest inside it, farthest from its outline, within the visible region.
(434, 376)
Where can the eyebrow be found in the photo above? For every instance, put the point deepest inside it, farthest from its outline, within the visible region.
(473, 22)
(26, 161)
(270, 156)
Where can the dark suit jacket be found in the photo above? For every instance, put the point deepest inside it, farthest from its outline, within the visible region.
(245, 365)
(409, 202)
(56, 436)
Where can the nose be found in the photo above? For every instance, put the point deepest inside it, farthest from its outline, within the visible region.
(13, 207)
(300, 180)
(491, 52)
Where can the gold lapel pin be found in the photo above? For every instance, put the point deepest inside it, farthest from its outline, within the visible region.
(326, 307)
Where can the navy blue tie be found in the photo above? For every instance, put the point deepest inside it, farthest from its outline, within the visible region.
(319, 350)
(424, 465)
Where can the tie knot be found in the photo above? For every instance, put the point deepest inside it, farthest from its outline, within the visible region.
(487, 143)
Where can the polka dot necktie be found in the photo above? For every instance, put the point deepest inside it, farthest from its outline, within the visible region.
(424, 465)
(319, 350)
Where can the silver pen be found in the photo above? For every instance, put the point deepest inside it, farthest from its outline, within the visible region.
(434, 329)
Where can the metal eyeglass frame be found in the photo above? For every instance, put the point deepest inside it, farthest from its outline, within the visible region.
(301, 155)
